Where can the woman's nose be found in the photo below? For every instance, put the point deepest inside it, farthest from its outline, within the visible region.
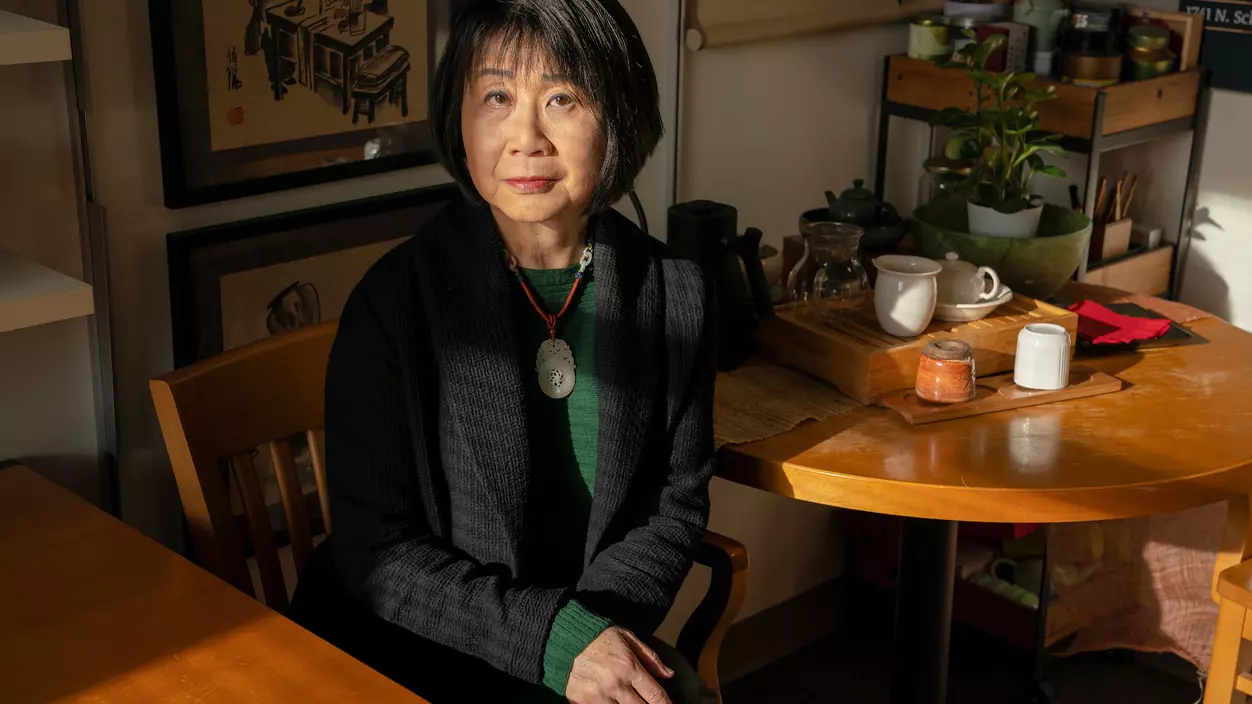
(528, 137)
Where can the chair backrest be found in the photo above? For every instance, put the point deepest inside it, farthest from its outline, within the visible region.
(214, 414)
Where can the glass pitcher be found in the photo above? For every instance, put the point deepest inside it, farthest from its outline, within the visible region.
(829, 275)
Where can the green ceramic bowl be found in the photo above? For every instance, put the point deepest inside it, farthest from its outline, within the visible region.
(1037, 267)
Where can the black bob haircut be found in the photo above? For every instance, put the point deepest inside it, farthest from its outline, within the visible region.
(593, 42)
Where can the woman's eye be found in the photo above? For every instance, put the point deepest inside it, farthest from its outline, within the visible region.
(497, 99)
(561, 101)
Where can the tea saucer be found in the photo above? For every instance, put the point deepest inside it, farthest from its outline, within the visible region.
(969, 312)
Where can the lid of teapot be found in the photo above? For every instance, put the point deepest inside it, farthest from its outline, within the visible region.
(953, 262)
(857, 192)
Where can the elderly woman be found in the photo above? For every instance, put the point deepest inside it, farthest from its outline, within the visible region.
(518, 405)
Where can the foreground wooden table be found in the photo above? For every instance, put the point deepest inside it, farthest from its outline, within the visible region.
(1179, 436)
(92, 611)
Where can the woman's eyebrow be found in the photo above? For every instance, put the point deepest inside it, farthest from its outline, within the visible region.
(505, 73)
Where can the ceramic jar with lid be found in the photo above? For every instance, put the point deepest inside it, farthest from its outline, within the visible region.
(945, 373)
(961, 282)
(929, 38)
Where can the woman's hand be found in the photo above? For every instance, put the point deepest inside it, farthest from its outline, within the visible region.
(617, 668)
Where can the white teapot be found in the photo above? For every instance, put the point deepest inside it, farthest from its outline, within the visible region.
(960, 282)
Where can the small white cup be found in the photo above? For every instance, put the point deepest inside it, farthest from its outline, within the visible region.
(1042, 360)
(905, 293)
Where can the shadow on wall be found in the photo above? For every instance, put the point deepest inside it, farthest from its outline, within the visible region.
(1203, 285)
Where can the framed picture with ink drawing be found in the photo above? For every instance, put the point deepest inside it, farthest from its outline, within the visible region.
(234, 284)
(256, 96)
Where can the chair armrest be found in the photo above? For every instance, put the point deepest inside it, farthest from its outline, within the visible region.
(701, 638)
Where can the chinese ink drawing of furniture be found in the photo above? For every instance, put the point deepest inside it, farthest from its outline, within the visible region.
(384, 77)
(326, 50)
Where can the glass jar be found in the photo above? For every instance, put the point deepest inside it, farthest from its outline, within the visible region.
(829, 275)
(1147, 52)
(945, 373)
(942, 178)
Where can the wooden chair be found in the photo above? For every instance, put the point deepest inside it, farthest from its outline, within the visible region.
(1229, 679)
(215, 412)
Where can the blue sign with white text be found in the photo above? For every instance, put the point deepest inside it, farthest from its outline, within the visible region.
(1227, 48)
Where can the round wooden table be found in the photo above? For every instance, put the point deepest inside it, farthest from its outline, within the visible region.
(1179, 435)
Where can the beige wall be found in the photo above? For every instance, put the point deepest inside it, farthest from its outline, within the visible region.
(1218, 275)
(767, 128)
(47, 407)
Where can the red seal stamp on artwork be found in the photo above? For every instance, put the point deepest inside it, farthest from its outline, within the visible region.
(234, 116)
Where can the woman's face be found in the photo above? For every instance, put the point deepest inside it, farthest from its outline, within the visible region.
(534, 148)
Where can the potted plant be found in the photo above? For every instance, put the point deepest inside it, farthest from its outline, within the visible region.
(1002, 139)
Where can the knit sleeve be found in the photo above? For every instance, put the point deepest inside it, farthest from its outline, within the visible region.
(572, 631)
(634, 581)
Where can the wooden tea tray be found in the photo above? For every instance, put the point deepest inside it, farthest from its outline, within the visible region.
(999, 393)
(850, 350)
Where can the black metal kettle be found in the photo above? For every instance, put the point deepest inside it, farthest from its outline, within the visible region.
(708, 233)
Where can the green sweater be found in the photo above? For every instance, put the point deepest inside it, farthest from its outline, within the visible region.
(564, 436)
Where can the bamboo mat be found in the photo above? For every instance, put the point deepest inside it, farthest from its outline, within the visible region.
(762, 400)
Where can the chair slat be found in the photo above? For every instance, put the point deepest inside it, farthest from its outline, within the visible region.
(317, 452)
(262, 533)
(293, 502)
(1244, 683)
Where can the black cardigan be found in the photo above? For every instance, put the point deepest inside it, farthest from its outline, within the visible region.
(428, 451)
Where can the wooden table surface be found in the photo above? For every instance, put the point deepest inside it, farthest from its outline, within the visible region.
(92, 611)
(1179, 436)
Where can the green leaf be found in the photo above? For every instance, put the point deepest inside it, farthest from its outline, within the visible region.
(987, 195)
(1052, 171)
(955, 146)
(1049, 148)
(986, 47)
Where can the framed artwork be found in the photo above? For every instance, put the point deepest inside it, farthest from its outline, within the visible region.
(255, 96)
(237, 283)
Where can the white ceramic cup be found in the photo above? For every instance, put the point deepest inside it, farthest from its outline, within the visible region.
(1042, 360)
(905, 293)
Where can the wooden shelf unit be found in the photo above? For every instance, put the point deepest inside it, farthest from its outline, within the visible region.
(27, 41)
(1091, 121)
(32, 295)
(1129, 106)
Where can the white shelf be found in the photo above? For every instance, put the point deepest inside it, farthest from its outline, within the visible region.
(32, 295)
(27, 41)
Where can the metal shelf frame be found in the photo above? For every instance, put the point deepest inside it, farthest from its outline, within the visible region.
(1196, 124)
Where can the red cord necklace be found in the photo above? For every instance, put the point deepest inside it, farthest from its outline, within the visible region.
(555, 361)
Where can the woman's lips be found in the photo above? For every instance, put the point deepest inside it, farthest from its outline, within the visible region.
(531, 184)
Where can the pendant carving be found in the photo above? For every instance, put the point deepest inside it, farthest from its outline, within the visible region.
(555, 365)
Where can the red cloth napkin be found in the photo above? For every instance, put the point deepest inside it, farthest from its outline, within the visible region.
(1104, 327)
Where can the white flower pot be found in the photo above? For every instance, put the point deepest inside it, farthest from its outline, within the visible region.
(990, 222)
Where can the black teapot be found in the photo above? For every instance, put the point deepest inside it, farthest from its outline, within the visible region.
(708, 233)
(857, 205)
